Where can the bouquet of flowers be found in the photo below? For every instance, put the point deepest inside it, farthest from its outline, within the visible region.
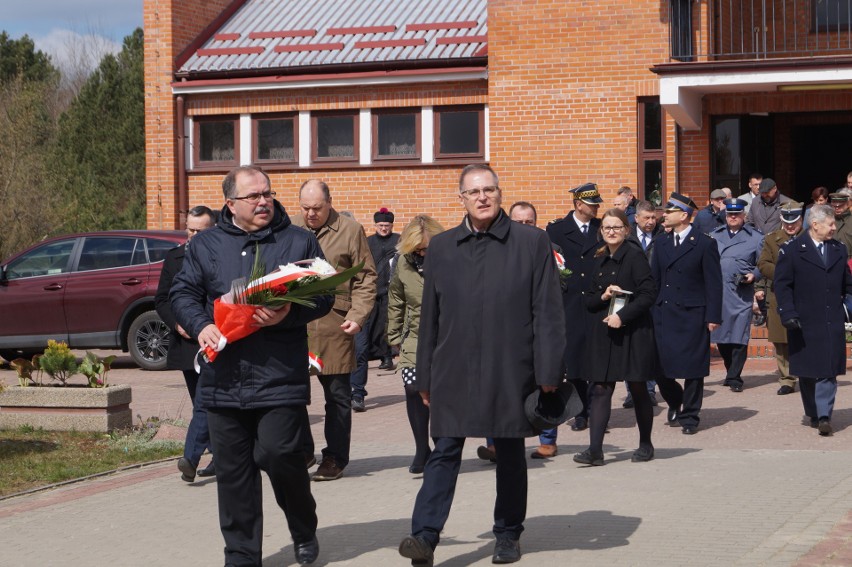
(560, 265)
(297, 282)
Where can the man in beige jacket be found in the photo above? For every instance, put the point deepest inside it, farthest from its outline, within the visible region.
(332, 337)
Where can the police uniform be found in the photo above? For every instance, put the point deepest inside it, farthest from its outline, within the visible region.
(738, 254)
(689, 280)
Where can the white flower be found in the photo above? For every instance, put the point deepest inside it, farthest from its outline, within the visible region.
(322, 267)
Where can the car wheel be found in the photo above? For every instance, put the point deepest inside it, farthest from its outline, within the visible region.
(148, 341)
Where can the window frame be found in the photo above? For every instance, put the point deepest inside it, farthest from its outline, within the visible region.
(255, 145)
(438, 111)
(829, 27)
(197, 121)
(356, 136)
(643, 154)
(374, 126)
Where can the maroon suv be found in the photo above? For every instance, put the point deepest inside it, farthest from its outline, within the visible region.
(93, 290)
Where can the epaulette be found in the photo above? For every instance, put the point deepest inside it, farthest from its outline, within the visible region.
(554, 221)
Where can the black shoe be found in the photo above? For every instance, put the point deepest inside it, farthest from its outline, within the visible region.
(387, 363)
(310, 461)
(358, 404)
(307, 552)
(672, 417)
(643, 454)
(506, 551)
(416, 469)
(810, 421)
(589, 458)
(784, 390)
(736, 387)
(726, 383)
(580, 423)
(187, 471)
(689, 430)
(209, 470)
(418, 550)
(825, 427)
(653, 397)
(628, 403)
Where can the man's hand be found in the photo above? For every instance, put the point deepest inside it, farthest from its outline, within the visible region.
(180, 330)
(792, 324)
(209, 336)
(613, 321)
(549, 389)
(351, 328)
(760, 295)
(425, 397)
(265, 317)
(749, 278)
(712, 326)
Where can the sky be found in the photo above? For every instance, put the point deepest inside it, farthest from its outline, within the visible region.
(58, 26)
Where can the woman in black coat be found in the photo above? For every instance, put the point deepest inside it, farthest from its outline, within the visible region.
(619, 346)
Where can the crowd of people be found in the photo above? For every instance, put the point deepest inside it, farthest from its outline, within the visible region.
(592, 300)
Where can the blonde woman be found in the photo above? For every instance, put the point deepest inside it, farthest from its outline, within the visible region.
(404, 296)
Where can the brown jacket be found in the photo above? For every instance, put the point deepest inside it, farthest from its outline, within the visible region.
(766, 264)
(344, 245)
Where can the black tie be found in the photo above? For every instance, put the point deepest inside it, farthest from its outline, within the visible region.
(585, 229)
(677, 240)
(822, 253)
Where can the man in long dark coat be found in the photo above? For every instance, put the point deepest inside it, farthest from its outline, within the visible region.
(811, 278)
(686, 267)
(491, 332)
(578, 234)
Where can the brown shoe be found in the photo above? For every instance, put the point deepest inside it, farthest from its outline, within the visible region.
(487, 453)
(544, 452)
(328, 470)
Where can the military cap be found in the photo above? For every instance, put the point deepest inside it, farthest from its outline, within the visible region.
(588, 193)
(682, 202)
(735, 205)
(767, 185)
(791, 211)
(838, 196)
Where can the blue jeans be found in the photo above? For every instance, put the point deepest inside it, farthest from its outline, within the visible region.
(546, 437)
(197, 434)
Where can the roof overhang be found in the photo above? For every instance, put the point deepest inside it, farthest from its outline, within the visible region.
(683, 85)
(365, 78)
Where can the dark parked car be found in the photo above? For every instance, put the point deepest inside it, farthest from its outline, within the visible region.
(91, 290)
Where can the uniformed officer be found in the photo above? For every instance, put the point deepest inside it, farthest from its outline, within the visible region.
(578, 234)
(739, 249)
(686, 266)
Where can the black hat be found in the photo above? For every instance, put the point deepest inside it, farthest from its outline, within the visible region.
(383, 215)
(588, 193)
(791, 211)
(735, 205)
(549, 410)
(682, 202)
(767, 185)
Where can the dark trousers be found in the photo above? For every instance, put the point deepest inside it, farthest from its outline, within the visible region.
(687, 398)
(358, 378)
(432, 506)
(338, 420)
(197, 435)
(246, 442)
(582, 388)
(818, 396)
(734, 356)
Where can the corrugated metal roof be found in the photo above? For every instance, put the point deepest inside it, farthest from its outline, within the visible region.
(278, 34)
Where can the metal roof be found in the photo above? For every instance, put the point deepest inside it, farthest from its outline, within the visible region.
(280, 34)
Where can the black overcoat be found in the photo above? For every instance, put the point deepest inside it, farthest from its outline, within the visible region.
(812, 292)
(689, 279)
(491, 328)
(629, 352)
(579, 253)
(181, 354)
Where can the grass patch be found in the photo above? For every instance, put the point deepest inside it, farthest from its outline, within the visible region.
(30, 458)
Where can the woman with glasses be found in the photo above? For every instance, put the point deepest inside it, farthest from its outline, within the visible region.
(620, 343)
(404, 297)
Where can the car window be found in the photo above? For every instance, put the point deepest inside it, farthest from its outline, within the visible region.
(53, 258)
(157, 248)
(109, 252)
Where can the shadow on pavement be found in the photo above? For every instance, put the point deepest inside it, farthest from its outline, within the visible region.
(714, 417)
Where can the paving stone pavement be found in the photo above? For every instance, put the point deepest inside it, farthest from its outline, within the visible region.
(753, 487)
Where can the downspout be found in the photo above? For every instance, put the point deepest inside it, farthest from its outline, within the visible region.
(182, 191)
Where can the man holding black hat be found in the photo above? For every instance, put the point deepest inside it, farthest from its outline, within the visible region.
(687, 269)
(578, 234)
(739, 249)
(764, 212)
(791, 227)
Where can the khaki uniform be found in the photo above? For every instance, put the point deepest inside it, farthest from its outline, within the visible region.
(844, 231)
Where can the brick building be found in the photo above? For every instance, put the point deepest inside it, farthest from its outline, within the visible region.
(387, 100)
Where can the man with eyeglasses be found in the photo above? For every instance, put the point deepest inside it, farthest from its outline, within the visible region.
(491, 332)
(578, 234)
(344, 244)
(688, 272)
(753, 190)
(257, 390)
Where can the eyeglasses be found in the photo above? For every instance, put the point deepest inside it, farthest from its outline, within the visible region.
(254, 198)
(612, 228)
(473, 194)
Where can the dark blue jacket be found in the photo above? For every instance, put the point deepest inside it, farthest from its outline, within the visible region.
(268, 368)
(706, 221)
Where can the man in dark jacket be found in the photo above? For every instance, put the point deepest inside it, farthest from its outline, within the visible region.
(257, 389)
(473, 369)
(712, 216)
(183, 348)
(764, 213)
(815, 320)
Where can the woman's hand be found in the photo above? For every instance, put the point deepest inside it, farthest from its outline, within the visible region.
(613, 321)
(607, 294)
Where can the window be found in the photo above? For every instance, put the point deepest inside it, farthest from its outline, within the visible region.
(651, 150)
(832, 15)
(275, 139)
(335, 137)
(105, 253)
(50, 259)
(157, 249)
(459, 132)
(680, 28)
(396, 134)
(216, 141)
